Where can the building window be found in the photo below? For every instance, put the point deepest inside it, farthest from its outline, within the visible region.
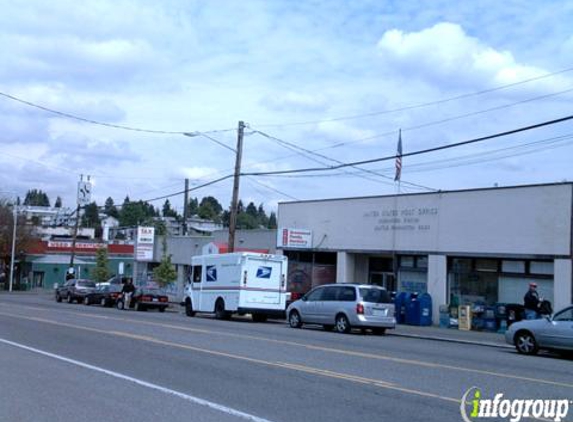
(517, 267)
(407, 261)
(489, 265)
(541, 267)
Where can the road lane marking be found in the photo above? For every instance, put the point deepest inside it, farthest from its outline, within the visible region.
(344, 352)
(288, 366)
(187, 397)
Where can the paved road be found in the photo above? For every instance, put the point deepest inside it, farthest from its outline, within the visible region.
(62, 362)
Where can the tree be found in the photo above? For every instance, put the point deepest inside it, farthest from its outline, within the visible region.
(101, 272)
(165, 272)
(272, 221)
(193, 207)
(136, 213)
(24, 237)
(58, 203)
(91, 216)
(252, 210)
(36, 198)
(168, 211)
(210, 209)
(110, 209)
(247, 222)
(262, 216)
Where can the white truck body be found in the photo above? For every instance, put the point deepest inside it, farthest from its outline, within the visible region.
(244, 282)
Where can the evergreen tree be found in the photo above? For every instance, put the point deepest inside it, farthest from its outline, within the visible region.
(193, 207)
(58, 203)
(252, 210)
(110, 209)
(210, 209)
(168, 211)
(101, 272)
(36, 198)
(91, 216)
(272, 221)
(165, 272)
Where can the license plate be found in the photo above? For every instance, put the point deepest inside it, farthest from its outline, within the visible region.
(155, 299)
(379, 312)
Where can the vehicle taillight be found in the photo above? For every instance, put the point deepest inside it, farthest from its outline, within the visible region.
(295, 296)
(146, 298)
(360, 309)
(163, 299)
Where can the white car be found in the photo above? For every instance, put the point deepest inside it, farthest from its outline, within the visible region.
(550, 333)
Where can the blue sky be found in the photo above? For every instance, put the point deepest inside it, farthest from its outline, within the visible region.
(204, 65)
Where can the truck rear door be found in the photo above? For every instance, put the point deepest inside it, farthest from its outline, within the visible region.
(263, 282)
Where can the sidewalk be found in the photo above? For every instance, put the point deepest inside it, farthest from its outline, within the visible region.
(478, 338)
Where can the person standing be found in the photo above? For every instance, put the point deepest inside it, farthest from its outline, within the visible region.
(531, 302)
(127, 290)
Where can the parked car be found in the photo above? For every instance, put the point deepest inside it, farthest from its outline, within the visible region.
(115, 280)
(74, 290)
(105, 295)
(550, 333)
(145, 298)
(343, 307)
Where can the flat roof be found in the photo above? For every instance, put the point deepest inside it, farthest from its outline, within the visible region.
(429, 193)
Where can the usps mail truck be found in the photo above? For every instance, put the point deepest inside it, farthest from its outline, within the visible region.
(237, 283)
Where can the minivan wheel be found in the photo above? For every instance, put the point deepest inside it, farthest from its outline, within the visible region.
(525, 343)
(342, 324)
(294, 319)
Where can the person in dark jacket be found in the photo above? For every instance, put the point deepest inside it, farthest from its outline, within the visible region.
(127, 290)
(531, 302)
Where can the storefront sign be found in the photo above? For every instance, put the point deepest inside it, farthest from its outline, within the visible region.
(144, 244)
(79, 245)
(402, 219)
(294, 238)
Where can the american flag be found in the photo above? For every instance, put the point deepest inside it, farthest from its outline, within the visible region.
(399, 158)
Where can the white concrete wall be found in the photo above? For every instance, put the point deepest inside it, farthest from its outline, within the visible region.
(437, 284)
(562, 288)
(531, 220)
(345, 267)
(361, 269)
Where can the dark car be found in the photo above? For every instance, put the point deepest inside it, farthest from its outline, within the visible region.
(145, 298)
(75, 290)
(105, 295)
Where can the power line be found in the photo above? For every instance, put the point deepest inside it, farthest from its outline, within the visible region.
(95, 122)
(258, 182)
(421, 105)
(419, 152)
(289, 144)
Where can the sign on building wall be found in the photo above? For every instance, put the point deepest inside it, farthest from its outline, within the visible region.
(294, 238)
(144, 244)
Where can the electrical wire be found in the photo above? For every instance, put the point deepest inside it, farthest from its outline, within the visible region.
(419, 152)
(421, 105)
(95, 122)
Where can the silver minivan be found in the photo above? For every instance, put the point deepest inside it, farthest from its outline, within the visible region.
(343, 307)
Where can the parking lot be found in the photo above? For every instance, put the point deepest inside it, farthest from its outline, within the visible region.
(65, 362)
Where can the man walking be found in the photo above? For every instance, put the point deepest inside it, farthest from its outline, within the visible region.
(531, 302)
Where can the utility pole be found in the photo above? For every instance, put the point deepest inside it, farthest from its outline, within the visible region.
(235, 200)
(186, 207)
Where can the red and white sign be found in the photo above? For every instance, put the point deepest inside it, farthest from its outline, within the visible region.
(294, 238)
(79, 245)
(144, 244)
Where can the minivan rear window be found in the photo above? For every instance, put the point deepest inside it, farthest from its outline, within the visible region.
(86, 284)
(374, 295)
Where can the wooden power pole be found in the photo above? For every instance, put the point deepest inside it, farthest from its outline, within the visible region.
(235, 200)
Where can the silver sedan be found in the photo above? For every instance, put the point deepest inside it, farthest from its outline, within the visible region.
(551, 333)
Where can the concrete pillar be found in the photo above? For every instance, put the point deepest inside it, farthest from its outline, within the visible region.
(345, 263)
(437, 284)
(563, 283)
(180, 282)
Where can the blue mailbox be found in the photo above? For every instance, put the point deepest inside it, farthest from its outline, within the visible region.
(419, 310)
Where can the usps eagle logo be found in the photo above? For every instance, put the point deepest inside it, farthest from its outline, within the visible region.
(264, 272)
(211, 273)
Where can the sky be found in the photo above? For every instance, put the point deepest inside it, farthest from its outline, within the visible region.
(318, 83)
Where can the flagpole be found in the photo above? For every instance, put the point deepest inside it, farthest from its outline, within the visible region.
(398, 176)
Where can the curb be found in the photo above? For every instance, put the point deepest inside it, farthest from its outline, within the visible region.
(453, 340)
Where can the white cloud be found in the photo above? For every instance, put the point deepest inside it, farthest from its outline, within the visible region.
(446, 54)
(295, 101)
